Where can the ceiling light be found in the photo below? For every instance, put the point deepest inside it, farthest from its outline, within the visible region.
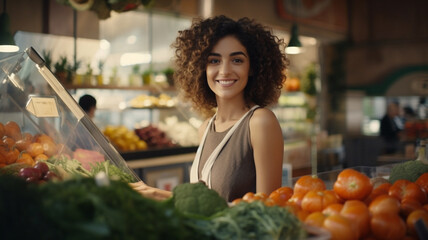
(294, 45)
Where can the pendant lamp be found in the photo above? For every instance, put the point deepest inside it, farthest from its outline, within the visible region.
(7, 44)
(294, 45)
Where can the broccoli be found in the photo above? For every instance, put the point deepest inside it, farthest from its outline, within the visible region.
(409, 170)
(197, 200)
(253, 220)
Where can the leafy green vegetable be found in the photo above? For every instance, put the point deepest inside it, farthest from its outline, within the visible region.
(253, 220)
(67, 168)
(21, 216)
(409, 170)
(112, 171)
(197, 200)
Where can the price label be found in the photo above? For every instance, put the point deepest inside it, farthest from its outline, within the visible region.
(43, 107)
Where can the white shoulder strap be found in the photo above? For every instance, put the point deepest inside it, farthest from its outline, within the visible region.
(206, 170)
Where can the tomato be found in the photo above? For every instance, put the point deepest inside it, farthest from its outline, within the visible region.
(297, 199)
(334, 208)
(11, 155)
(40, 157)
(314, 201)
(413, 217)
(408, 205)
(8, 141)
(422, 181)
(315, 219)
(49, 148)
(307, 183)
(2, 131)
(25, 158)
(269, 202)
(236, 201)
(384, 203)
(406, 189)
(340, 227)
(261, 195)
(251, 197)
(35, 149)
(388, 226)
(281, 195)
(379, 190)
(22, 144)
(352, 185)
(41, 138)
(358, 213)
(13, 130)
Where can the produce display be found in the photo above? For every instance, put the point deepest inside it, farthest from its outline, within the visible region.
(92, 208)
(356, 207)
(146, 101)
(124, 139)
(39, 158)
(154, 136)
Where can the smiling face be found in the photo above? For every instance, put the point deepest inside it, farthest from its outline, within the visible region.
(228, 69)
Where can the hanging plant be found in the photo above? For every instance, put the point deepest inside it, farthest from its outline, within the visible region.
(103, 7)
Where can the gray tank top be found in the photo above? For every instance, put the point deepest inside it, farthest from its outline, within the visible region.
(233, 173)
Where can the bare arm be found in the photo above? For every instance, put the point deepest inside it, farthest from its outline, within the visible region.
(268, 146)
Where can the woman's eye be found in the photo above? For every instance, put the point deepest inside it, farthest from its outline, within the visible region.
(213, 61)
(237, 60)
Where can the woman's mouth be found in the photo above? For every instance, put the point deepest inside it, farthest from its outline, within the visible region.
(226, 83)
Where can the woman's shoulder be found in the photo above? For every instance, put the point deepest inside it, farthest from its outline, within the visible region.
(263, 117)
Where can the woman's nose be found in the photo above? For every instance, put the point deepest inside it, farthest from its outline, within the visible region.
(224, 68)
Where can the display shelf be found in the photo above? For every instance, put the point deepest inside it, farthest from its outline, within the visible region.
(157, 152)
(151, 88)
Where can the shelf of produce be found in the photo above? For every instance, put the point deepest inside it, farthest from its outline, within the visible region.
(152, 88)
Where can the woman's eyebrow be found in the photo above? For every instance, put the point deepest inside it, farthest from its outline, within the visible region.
(232, 54)
(238, 53)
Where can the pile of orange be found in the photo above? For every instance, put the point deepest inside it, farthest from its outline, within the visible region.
(19, 147)
(354, 208)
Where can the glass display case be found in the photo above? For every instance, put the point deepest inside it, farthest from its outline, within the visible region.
(35, 107)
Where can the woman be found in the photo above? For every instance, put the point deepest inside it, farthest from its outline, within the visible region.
(233, 69)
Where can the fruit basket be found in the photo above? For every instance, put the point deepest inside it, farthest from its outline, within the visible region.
(41, 121)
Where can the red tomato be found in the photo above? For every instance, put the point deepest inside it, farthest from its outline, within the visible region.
(269, 202)
(334, 208)
(422, 181)
(352, 185)
(249, 196)
(314, 201)
(340, 227)
(236, 201)
(384, 203)
(315, 219)
(406, 189)
(296, 199)
(413, 217)
(409, 205)
(358, 213)
(281, 195)
(387, 226)
(379, 190)
(307, 183)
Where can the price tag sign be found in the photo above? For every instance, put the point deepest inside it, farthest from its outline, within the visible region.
(43, 107)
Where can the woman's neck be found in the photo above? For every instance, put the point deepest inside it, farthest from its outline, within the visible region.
(230, 111)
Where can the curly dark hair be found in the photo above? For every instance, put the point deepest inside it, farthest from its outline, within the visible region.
(267, 61)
